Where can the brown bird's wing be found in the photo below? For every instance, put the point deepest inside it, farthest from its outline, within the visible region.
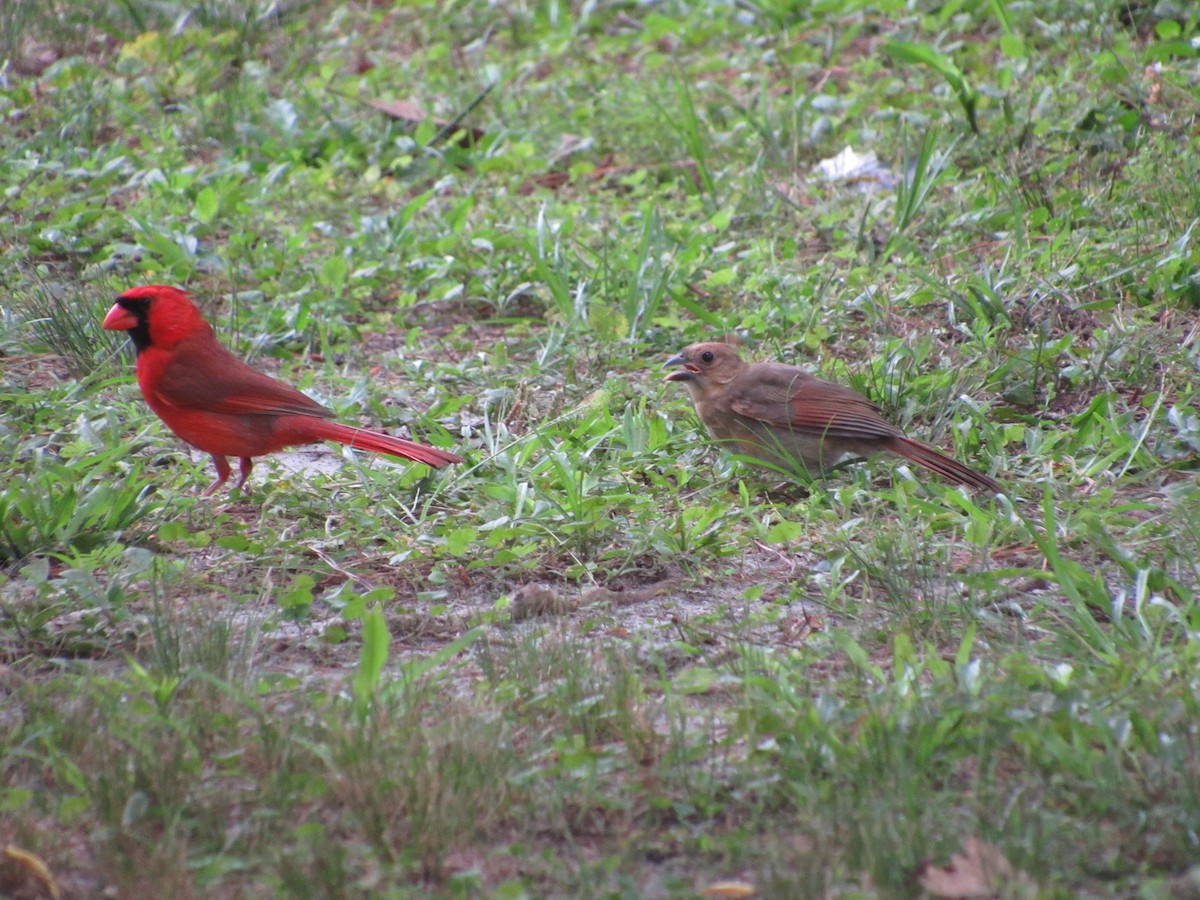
(210, 378)
(791, 399)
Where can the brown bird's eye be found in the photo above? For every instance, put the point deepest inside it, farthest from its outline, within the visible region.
(707, 356)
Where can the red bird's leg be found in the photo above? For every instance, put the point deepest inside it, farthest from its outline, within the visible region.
(223, 471)
(245, 464)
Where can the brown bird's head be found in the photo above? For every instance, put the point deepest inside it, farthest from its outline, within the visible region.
(706, 364)
(155, 314)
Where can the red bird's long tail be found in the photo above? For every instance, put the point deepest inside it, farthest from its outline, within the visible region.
(361, 439)
(950, 469)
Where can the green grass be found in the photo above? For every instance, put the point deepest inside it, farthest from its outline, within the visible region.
(603, 659)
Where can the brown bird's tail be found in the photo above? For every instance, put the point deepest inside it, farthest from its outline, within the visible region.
(950, 469)
(361, 439)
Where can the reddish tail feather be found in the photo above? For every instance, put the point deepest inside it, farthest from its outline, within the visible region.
(948, 468)
(380, 443)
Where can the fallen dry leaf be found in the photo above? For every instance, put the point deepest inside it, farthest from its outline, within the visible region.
(980, 871)
(739, 890)
(407, 111)
(607, 175)
(23, 875)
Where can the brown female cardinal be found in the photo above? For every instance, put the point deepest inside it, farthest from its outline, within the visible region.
(220, 405)
(787, 418)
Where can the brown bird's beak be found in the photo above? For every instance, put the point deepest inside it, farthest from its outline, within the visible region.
(119, 319)
(687, 373)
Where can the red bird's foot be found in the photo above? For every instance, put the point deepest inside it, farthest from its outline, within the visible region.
(245, 464)
(223, 472)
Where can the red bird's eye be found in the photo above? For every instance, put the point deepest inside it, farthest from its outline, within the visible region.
(707, 356)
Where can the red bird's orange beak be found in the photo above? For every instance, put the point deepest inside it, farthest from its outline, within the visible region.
(119, 319)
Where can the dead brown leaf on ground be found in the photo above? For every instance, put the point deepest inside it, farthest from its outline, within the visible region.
(407, 111)
(980, 871)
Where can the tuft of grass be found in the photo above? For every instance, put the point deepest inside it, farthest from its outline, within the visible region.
(57, 319)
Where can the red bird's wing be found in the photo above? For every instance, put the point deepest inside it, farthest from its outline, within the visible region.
(792, 399)
(201, 379)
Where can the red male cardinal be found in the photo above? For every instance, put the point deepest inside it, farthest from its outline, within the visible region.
(220, 405)
(785, 417)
